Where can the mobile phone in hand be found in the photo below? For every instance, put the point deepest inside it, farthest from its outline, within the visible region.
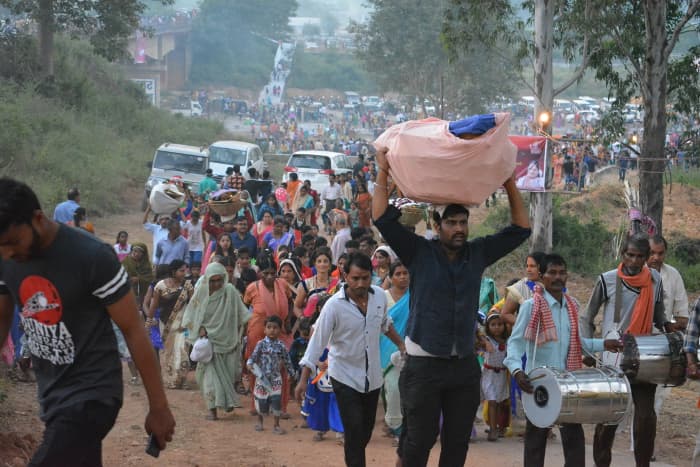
(152, 448)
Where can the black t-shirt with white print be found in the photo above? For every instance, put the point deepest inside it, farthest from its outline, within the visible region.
(63, 293)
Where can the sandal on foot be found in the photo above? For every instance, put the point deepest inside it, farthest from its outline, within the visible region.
(318, 436)
(258, 427)
(278, 431)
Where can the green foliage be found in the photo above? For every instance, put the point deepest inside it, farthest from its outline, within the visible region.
(107, 23)
(684, 255)
(408, 56)
(329, 70)
(19, 59)
(587, 248)
(234, 41)
(88, 128)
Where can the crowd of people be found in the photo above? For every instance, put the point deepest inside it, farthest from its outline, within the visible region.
(325, 298)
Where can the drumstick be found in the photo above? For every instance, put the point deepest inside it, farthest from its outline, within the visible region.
(537, 377)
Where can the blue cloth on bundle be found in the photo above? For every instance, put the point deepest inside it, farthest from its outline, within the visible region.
(473, 125)
(399, 314)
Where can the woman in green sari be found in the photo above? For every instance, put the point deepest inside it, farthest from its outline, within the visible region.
(138, 267)
(217, 308)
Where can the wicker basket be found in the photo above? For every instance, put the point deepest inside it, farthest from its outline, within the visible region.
(228, 208)
(412, 215)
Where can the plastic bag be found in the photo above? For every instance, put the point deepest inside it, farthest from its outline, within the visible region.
(202, 351)
(165, 198)
(430, 164)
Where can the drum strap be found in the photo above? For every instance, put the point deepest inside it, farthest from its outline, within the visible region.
(618, 301)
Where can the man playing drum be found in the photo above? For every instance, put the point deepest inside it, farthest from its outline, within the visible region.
(632, 299)
(547, 331)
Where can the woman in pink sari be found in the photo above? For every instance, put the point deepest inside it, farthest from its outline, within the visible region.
(268, 296)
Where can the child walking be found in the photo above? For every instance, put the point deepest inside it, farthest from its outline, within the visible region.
(266, 364)
(494, 378)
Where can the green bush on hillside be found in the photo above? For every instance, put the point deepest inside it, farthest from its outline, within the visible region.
(88, 127)
(329, 70)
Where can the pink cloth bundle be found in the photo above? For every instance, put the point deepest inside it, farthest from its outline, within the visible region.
(430, 164)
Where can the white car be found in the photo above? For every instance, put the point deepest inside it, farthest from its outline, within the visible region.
(586, 116)
(316, 166)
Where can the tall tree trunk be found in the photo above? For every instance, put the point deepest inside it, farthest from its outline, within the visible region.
(45, 18)
(541, 203)
(652, 157)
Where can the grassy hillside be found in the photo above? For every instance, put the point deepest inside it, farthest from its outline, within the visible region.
(87, 128)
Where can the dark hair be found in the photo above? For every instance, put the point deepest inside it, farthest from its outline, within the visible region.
(538, 256)
(278, 220)
(512, 281)
(240, 218)
(195, 213)
(162, 271)
(360, 260)
(352, 244)
(343, 256)
(274, 319)
(394, 266)
(175, 265)
(301, 209)
(195, 264)
(304, 325)
(73, 193)
(120, 234)
(450, 210)
(293, 176)
(172, 223)
(248, 276)
(266, 173)
(300, 252)
(244, 250)
(307, 238)
(637, 241)
(322, 299)
(229, 261)
(368, 239)
(321, 242)
(306, 229)
(265, 261)
(230, 251)
(658, 240)
(551, 259)
(229, 170)
(357, 233)
(237, 168)
(323, 251)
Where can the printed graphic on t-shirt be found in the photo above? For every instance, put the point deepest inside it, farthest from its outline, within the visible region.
(48, 337)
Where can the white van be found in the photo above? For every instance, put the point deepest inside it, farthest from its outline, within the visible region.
(176, 160)
(225, 154)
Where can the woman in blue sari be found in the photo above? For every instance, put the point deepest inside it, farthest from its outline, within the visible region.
(397, 301)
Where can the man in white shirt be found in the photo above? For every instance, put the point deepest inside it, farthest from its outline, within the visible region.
(329, 194)
(675, 297)
(675, 301)
(350, 325)
(195, 237)
(159, 230)
(341, 238)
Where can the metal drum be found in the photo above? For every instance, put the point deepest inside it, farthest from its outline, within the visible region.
(657, 359)
(588, 395)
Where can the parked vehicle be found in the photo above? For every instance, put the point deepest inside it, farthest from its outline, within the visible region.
(225, 154)
(316, 166)
(190, 163)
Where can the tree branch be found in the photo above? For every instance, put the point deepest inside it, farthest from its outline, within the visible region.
(637, 68)
(585, 54)
(693, 8)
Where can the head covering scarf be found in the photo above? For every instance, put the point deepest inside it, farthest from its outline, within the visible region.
(292, 265)
(386, 249)
(141, 269)
(222, 313)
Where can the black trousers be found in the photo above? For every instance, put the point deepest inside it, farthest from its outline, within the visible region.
(73, 437)
(573, 443)
(431, 388)
(358, 411)
(643, 427)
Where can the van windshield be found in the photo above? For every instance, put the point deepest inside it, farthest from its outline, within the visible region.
(188, 163)
(227, 156)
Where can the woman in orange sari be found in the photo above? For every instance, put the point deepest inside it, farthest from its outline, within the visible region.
(364, 204)
(268, 296)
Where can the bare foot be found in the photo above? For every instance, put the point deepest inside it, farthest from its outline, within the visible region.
(258, 427)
